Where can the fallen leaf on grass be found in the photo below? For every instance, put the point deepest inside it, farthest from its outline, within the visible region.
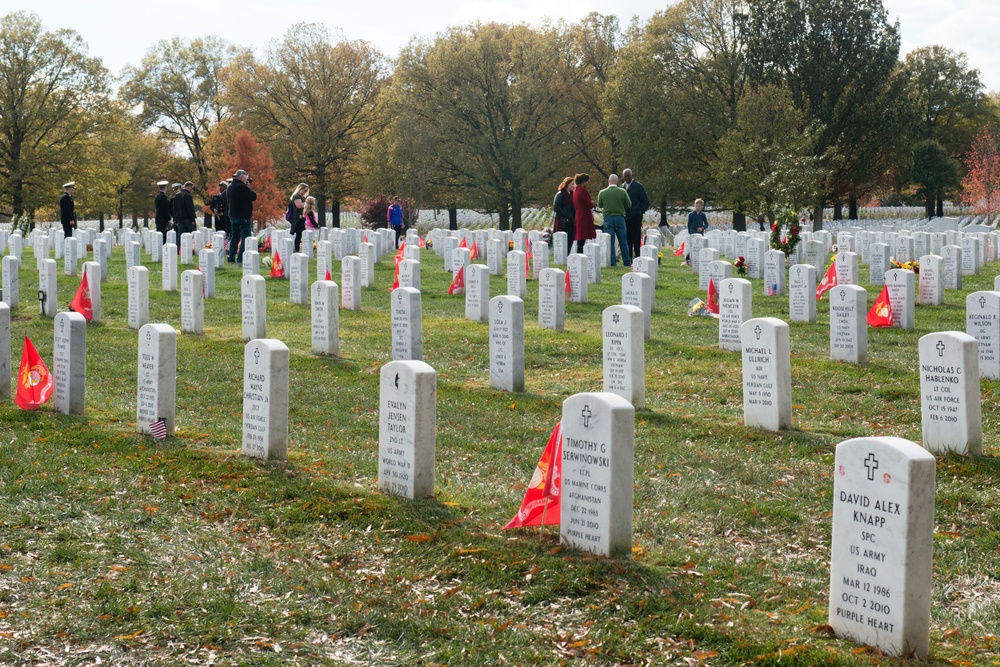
(118, 568)
(62, 587)
(704, 655)
(127, 637)
(953, 632)
(419, 538)
(824, 629)
(7, 635)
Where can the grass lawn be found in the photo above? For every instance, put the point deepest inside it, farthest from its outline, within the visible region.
(119, 548)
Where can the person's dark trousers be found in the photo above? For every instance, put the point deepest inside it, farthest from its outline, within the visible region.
(67, 230)
(241, 230)
(162, 229)
(579, 245)
(300, 226)
(399, 232)
(633, 228)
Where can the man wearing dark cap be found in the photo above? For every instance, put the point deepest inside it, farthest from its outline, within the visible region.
(239, 200)
(67, 209)
(183, 210)
(161, 204)
(218, 206)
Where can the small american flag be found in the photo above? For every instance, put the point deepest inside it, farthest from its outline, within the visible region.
(158, 429)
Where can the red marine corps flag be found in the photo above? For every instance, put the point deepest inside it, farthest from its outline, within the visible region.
(881, 313)
(829, 281)
(277, 268)
(680, 251)
(474, 251)
(458, 284)
(540, 506)
(81, 303)
(713, 297)
(34, 383)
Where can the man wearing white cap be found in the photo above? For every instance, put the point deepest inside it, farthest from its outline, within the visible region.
(161, 204)
(67, 210)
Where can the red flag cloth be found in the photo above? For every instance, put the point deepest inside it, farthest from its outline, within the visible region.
(464, 243)
(474, 251)
(277, 268)
(81, 303)
(34, 382)
(528, 258)
(422, 244)
(395, 280)
(541, 500)
(328, 276)
(569, 286)
(267, 243)
(713, 297)
(458, 284)
(680, 251)
(829, 281)
(881, 313)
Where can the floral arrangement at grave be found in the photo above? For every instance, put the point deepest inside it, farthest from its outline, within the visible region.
(786, 222)
(22, 222)
(912, 265)
(265, 261)
(740, 265)
(264, 244)
(374, 212)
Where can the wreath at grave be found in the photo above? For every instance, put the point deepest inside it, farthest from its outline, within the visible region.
(785, 244)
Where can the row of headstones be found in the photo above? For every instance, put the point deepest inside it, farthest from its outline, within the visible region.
(951, 411)
(880, 568)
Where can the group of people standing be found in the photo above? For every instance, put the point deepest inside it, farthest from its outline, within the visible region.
(623, 208)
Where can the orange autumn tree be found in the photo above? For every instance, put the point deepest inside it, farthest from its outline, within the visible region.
(981, 186)
(255, 158)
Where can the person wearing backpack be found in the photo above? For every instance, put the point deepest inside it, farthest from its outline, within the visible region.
(293, 215)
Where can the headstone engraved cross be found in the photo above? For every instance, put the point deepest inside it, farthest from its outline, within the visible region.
(265, 399)
(407, 427)
(881, 547)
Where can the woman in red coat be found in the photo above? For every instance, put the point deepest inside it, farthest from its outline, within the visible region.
(584, 207)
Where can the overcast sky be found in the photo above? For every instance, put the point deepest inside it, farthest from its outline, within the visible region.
(120, 32)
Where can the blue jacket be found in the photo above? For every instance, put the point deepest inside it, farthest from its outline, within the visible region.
(696, 220)
(640, 200)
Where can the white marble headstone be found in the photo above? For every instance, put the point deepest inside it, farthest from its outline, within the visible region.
(265, 399)
(325, 317)
(767, 381)
(407, 324)
(882, 543)
(735, 308)
(69, 367)
(253, 290)
(982, 322)
(507, 343)
(407, 429)
(156, 396)
(848, 324)
(951, 408)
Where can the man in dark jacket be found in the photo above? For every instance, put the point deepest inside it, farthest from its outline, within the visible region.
(67, 209)
(218, 206)
(161, 204)
(239, 199)
(633, 217)
(183, 209)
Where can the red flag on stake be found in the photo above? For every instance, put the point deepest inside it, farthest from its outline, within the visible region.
(328, 276)
(277, 268)
(713, 298)
(81, 303)
(680, 251)
(881, 313)
(540, 506)
(569, 285)
(464, 243)
(829, 281)
(458, 284)
(528, 258)
(474, 251)
(34, 383)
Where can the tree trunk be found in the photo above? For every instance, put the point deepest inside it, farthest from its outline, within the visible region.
(208, 220)
(17, 196)
(663, 213)
(940, 207)
(135, 220)
(321, 208)
(504, 214)
(739, 221)
(929, 207)
(101, 218)
(852, 205)
(838, 211)
(515, 205)
(335, 210)
(453, 217)
(145, 219)
(818, 217)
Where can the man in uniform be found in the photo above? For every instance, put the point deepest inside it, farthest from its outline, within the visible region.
(67, 210)
(218, 206)
(183, 209)
(161, 204)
